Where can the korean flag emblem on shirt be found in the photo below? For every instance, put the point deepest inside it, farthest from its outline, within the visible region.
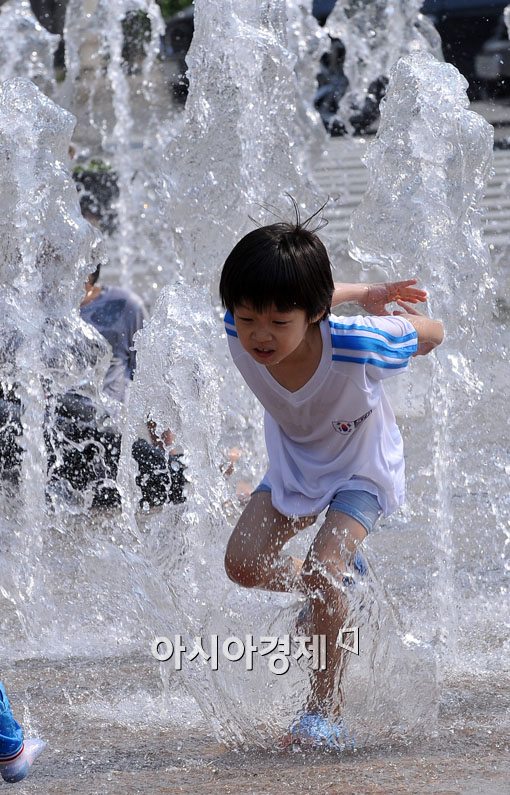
(344, 426)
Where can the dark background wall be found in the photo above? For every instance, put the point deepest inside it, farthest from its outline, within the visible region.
(464, 27)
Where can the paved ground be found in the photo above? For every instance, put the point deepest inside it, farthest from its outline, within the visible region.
(122, 751)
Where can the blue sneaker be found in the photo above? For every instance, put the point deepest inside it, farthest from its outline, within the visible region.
(19, 768)
(315, 731)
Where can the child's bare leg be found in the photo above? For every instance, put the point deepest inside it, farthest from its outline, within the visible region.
(253, 552)
(330, 555)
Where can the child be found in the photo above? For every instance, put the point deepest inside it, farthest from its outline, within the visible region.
(16, 756)
(331, 435)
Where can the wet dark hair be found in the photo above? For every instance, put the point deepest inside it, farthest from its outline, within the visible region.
(285, 265)
(93, 277)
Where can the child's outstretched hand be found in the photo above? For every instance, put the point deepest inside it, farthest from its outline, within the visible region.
(378, 295)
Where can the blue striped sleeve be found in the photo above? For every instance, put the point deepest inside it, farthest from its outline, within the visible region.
(230, 326)
(373, 344)
(372, 330)
(384, 344)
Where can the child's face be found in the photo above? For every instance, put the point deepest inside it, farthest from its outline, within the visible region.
(271, 336)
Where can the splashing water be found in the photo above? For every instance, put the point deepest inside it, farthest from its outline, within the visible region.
(237, 148)
(308, 41)
(106, 121)
(236, 152)
(99, 62)
(108, 86)
(178, 387)
(180, 313)
(127, 578)
(45, 349)
(27, 48)
(375, 34)
(420, 216)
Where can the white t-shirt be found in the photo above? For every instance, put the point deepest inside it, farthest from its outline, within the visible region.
(338, 431)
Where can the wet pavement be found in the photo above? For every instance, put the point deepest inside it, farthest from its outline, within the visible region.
(110, 732)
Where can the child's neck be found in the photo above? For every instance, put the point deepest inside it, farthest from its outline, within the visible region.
(91, 294)
(298, 368)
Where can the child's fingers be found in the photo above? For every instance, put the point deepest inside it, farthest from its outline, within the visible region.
(410, 310)
(405, 290)
(406, 282)
(413, 294)
(409, 283)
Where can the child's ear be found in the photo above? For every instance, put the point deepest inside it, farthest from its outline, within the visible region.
(316, 318)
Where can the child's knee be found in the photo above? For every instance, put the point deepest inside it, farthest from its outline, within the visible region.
(241, 570)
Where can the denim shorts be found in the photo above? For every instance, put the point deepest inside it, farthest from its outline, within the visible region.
(361, 505)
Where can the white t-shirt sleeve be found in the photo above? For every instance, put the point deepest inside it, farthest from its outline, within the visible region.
(383, 345)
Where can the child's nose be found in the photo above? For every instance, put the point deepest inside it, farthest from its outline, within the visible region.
(262, 333)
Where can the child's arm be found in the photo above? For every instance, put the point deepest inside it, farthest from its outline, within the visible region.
(374, 297)
(430, 332)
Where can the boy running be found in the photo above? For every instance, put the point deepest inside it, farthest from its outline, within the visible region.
(331, 435)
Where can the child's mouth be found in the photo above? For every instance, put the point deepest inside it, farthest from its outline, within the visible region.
(264, 353)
